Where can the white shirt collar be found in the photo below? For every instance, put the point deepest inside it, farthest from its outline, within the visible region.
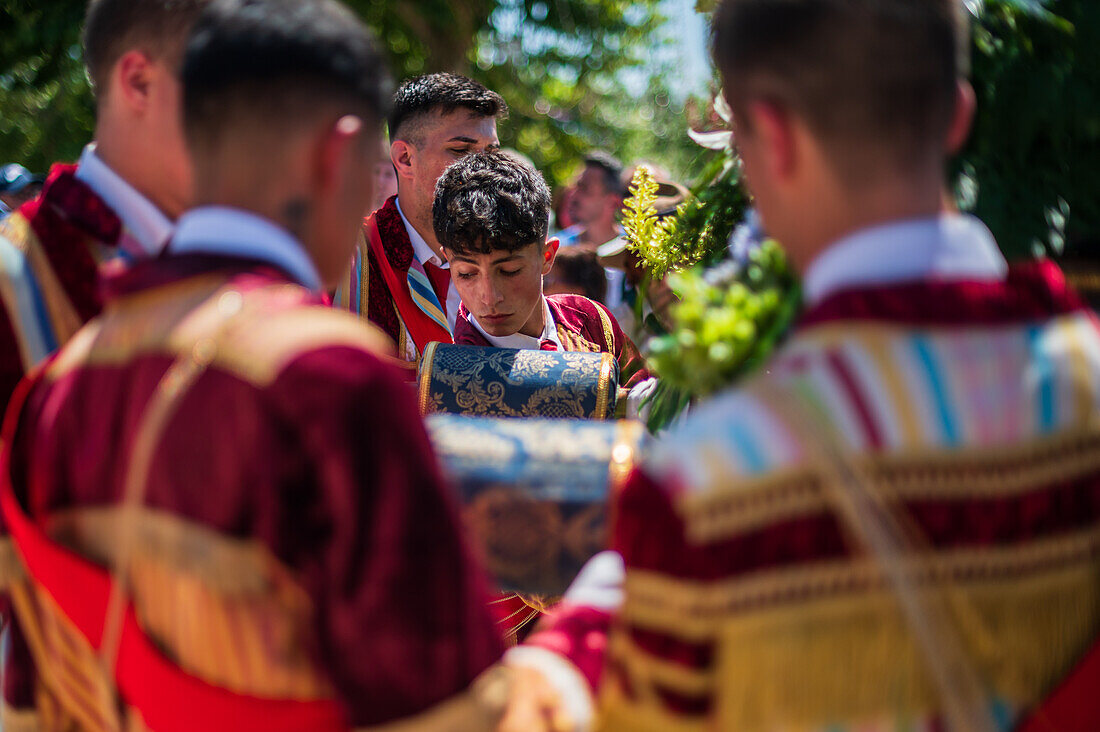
(946, 247)
(519, 340)
(233, 232)
(423, 252)
(146, 223)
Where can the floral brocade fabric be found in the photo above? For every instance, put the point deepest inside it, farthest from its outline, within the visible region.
(505, 382)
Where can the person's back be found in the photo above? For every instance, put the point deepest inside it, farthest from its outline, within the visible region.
(894, 524)
(118, 202)
(243, 460)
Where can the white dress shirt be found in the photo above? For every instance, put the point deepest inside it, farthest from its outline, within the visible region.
(146, 224)
(232, 232)
(944, 248)
(519, 340)
(425, 255)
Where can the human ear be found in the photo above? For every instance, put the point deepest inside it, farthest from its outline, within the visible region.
(773, 128)
(549, 253)
(402, 155)
(132, 78)
(962, 117)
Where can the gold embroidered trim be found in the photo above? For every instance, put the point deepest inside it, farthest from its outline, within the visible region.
(11, 567)
(364, 275)
(603, 389)
(667, 674)
(426, 362)
(256, 346)
(624, 452)
(691, 609)
(228, 566)
(608, 330)
(723, 509)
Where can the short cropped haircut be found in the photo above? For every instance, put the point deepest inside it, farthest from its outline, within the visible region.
(113, 27)
(581, 268)
(272, 63)
(611, 170)
(859, 72)
(440, 93)
(489, 202)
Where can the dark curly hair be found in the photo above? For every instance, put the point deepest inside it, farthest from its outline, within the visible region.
(490, 202)
(442, 93)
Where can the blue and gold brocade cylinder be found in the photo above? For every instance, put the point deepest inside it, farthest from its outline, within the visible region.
(535, 492)
(506, 382)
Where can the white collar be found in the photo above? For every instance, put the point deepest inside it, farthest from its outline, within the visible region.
(224, 231)
(423, 252)
(519, 340)
(146, 223)
(945, 247)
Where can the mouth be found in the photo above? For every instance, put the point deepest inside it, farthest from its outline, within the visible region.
(493, 318)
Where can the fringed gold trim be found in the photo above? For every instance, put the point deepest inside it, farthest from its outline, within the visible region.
(11, 566)
(608, 330)
(668, 675)
(727, 508)
(692, 610)
(18, 720)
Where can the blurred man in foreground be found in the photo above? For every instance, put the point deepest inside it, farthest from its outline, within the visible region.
(118, 203)
(225, 505)
(896, 524)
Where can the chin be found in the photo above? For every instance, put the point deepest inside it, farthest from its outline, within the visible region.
(499, 329)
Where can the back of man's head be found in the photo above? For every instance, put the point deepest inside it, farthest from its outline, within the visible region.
(157, 27)
(875, 76)
(260, 68)
(440, 94)
(490, 202)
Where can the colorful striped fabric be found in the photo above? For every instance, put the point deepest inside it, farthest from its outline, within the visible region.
(971, 411)
(420, 287)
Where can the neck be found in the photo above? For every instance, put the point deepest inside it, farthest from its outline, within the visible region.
(536, 324)
(840, 211)
(119, 152)
(420, 217)
(599, 233)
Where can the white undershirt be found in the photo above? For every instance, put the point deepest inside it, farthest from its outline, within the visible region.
(942, 248)
(519, 340)
(146, 223)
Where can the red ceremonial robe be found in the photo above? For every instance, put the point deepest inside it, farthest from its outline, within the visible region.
(377, 287)
(583, 325)
(293, 540)
(49, 257)
(755, 580)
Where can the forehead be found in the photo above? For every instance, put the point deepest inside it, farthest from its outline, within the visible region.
(591, 175)
(532, 250)
(442, 126)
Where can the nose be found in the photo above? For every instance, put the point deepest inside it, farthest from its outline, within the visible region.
(489, 293)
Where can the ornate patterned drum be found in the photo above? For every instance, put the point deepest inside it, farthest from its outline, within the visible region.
(506, 382)
(535, 491)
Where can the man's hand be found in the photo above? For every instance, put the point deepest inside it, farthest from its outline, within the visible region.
(534, 705)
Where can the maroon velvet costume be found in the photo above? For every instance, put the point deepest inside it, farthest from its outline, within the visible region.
(295, 538)
(592, 326)
(73, 228)
(742, 565)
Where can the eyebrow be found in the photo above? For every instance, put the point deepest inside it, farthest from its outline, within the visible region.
(462, 138)
(502, 260)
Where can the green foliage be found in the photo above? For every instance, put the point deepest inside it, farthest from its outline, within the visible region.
(1030, 169)
(46, 105)
(647, 236)
(558, 63)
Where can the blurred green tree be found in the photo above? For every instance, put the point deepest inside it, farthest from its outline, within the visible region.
(558, 63)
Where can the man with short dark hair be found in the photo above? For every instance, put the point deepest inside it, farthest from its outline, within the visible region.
(399, 279)
(894, 523)
(119, 202)
(596, 202)
(227, 512)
